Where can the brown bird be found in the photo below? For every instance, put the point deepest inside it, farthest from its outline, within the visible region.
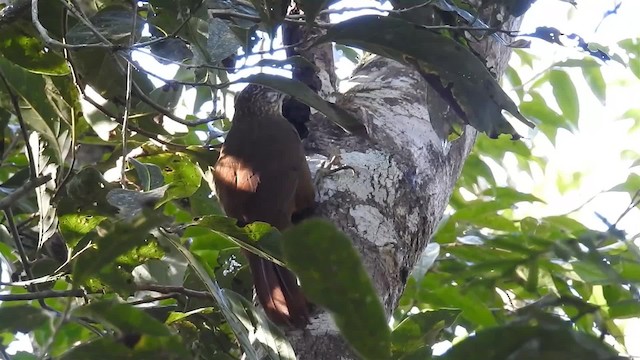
(262, 175)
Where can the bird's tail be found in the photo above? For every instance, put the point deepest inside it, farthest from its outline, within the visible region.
(278, 292)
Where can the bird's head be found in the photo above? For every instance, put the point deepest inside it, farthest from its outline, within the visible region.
(259, 99)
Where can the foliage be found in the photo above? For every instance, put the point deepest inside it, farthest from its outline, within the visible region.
(150, 267)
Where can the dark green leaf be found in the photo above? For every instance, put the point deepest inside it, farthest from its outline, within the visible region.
(123, 317)
(457, 69)
(303, 93)
(40, 115)
(130, 346)
(473, 309)
(420, 330)
(122, 237)
(311, 8)
(267, 333)
(333, 277)
(182, 175)
(21, 44)
(529, 342)
(217, 293)
(150, 175)
(22, 318)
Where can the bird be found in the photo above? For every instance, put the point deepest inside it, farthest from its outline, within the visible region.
(262, 175)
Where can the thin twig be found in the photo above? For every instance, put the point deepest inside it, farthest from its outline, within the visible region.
(80, 293)
(26, 263)
(21, 191)
(143, 132)
(67, 56)
(154, 298)
(127, 102)
(23, 126)
(35, 19)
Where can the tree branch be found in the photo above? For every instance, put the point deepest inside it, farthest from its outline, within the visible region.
(21, 191)
(79, 293)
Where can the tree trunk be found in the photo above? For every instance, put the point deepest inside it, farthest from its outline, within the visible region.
(404, 175)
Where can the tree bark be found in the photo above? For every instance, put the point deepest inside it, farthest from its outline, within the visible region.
(404, 175)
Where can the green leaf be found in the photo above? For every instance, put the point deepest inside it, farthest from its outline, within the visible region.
(122, 237)
(350, 53)
(629, 270)
(258, 237)
(269, 335)
(304, 94)
(593, 76)
(122, 317)
(419, 330)
(311, 8)
(39, 114)
(473, 309)
(150, 175)
(455, 67)
(333, 277)
(76, 226)
(130, 202)
(22, 318)
(182, 175)
(566, 95)
(131, 346)
(21, 44)
(219, 296)
(202, 203)
(425, 261)
(549, 120)
(632, 46)
(529, 342)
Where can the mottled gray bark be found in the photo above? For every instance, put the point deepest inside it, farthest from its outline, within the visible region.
(404, 176)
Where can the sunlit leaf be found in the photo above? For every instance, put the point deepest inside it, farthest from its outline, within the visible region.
(565, 94)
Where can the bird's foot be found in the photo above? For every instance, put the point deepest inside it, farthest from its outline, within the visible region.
(330, 167)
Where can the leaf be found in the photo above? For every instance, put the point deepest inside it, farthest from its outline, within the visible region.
(632, 46)
(122, 237)
(20, 43)
(419, 330)
(122, 317)
(348, 52)
(221, 42)
(203, 203)
(272, 13)
(530, 342)
(593, 76)
(115, 25)
(39, 115)
(311, 8)
(182, 175)
(219, 296)
(22, 318)
(301, 92)
(333, 277)
(549, 120)
(473, 309)
(258, 237)
(566, 95)
(269, 335)
(425, 261)
(131, 346)
(150, 175)
(130, 202)
(457, 71)
(48, 222)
